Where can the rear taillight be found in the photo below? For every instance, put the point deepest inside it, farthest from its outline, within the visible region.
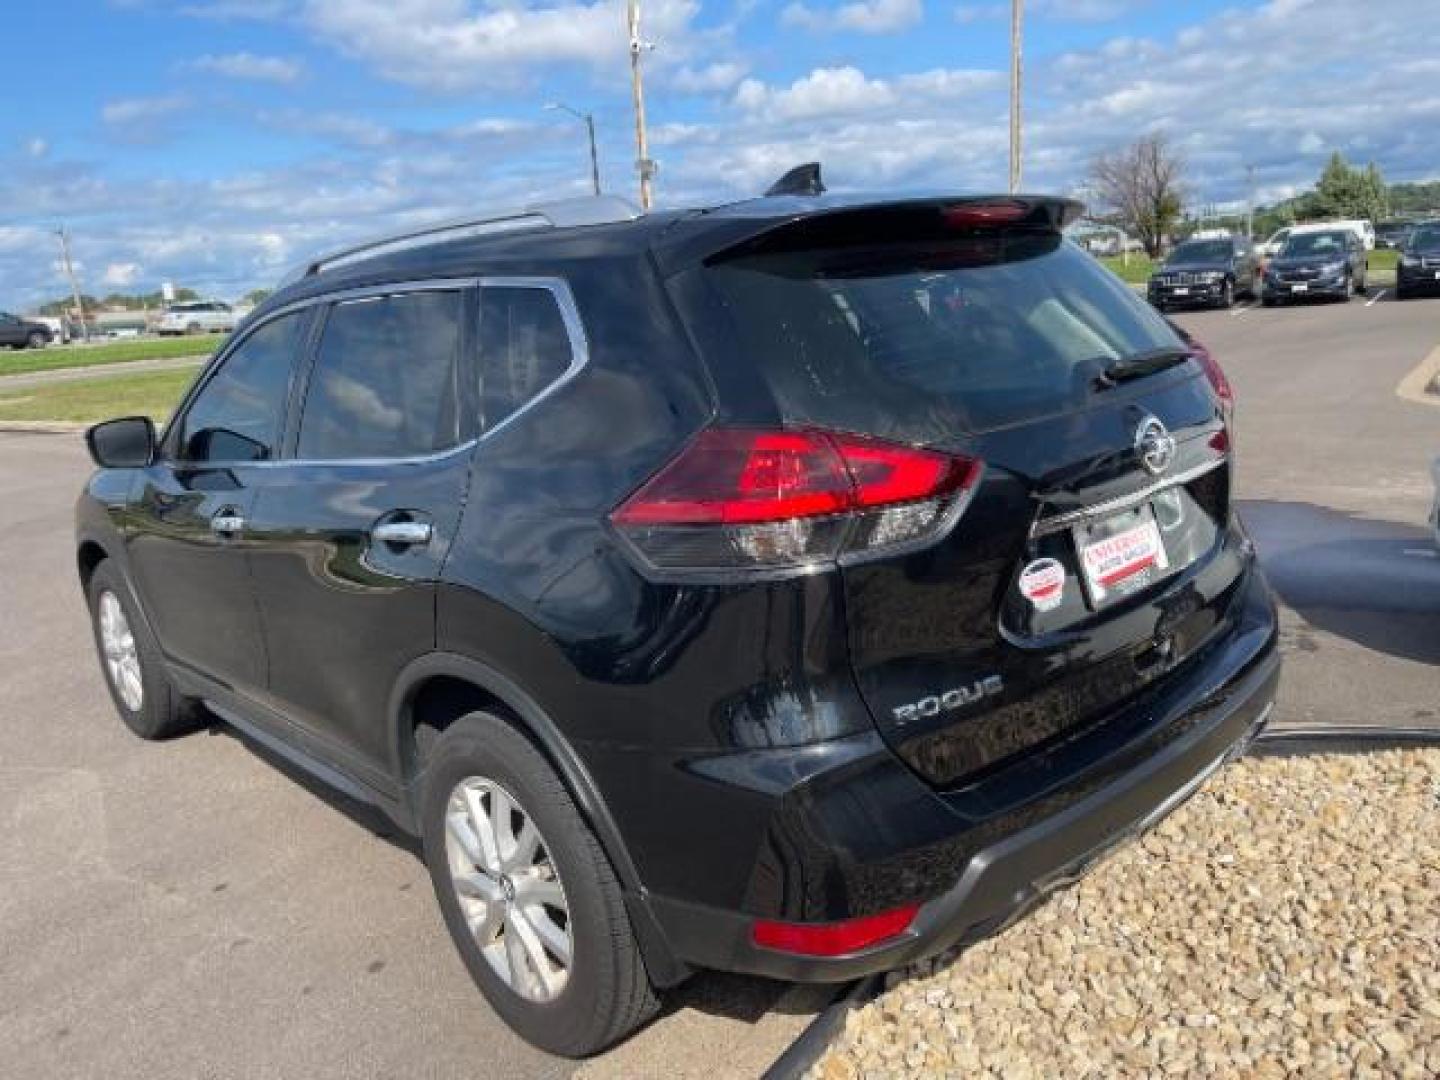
(833, 939)
(742, 498)
(1216, 375)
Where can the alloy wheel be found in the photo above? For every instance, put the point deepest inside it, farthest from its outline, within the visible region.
(508, 888)
(122, 660)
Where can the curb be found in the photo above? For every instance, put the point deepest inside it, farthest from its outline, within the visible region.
(42, 427)
(1423, 384)
(801, 1055)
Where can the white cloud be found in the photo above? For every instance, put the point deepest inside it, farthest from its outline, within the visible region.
(137, 111)
(246, 65)
(841, 91)
(712, 79)
(974, 13)
(36, 147)
(119, 275)
(861, 16)
(445, 45)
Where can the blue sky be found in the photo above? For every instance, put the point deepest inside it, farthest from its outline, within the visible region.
(215, 142)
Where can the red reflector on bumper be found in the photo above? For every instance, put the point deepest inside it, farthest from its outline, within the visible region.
(833, 939)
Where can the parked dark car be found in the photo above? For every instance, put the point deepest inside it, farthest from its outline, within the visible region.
(798, 587)
(1327, 263)
(1207, 273)
(1418, 270)
(21, 333)
(1392, 234)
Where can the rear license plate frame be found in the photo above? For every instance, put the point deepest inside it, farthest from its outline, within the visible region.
(1141, 561)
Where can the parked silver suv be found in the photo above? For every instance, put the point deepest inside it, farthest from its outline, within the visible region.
(197, 317)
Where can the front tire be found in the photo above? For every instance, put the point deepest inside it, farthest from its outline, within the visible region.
(130, 661)
(1227, 296)
(37, 340)
(527, 893)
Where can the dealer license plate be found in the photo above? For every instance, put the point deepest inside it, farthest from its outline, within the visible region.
(1121, 555)
(1186, 292)
(1299, 288)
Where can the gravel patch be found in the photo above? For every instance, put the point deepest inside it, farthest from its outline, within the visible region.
(1284, 922)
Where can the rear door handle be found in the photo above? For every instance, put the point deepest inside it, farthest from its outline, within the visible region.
(403, 533)
(228, 522)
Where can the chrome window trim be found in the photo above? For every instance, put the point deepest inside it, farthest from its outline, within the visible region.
(1055, 523)
(558, 287)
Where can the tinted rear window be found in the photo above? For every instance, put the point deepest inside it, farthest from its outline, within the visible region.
(924, 342)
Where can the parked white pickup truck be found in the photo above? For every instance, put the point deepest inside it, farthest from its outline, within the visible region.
(197, 317)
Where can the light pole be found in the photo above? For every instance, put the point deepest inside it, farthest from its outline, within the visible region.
(589, 121)
(1017, 16)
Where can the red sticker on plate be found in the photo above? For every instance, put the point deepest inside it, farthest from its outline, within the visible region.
(1043, 584)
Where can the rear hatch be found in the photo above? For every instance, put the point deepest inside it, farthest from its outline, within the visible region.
(1094, 554)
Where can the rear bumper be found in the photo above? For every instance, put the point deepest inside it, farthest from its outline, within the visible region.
(1210, 715)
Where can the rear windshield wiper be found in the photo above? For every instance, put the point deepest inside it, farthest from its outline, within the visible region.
(1139, 364)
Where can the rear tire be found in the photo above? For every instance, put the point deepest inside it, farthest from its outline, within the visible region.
(130, 662)
(481, 772)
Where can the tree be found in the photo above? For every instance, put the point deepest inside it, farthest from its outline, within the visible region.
(1140, 186)
(1345, 192)
(256, 296)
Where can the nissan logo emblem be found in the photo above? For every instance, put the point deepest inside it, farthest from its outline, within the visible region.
(1155, 445)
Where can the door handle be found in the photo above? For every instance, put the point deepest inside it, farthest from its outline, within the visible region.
(228, 522)
(403, 533)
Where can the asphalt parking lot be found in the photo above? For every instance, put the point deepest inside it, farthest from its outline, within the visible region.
(192, 909)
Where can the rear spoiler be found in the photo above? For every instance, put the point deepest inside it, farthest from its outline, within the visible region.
(789, 223)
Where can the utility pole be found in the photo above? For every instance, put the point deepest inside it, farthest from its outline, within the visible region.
(1017, 15)
(74, 285)
(1249, 202)
(589, 120)
(643, 163)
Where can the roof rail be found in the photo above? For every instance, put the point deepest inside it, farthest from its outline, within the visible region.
(559, 214)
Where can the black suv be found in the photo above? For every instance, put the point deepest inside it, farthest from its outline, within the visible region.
(1206, 272)
(21, 333)
(1419, 267)
(795, 587)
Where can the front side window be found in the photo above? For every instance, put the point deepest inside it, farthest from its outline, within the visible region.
(237, 415)
(386, 379)
(524, 348)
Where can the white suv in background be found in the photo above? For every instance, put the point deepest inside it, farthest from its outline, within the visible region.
(197, 317)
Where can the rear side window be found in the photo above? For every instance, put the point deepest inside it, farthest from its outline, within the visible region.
(386, 379)
(920, 342)
(237, 414)
(524, 348)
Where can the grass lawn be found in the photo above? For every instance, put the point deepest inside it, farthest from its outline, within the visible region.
(1134, 269)
(152, 393)
(20, 361)
(1382, 267)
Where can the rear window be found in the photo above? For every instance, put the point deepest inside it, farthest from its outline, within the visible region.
(919, 342)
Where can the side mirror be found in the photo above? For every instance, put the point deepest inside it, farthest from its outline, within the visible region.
(127, 443)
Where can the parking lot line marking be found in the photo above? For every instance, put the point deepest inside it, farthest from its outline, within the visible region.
(1242, 309)
(1376, 298)
(1415, 386)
